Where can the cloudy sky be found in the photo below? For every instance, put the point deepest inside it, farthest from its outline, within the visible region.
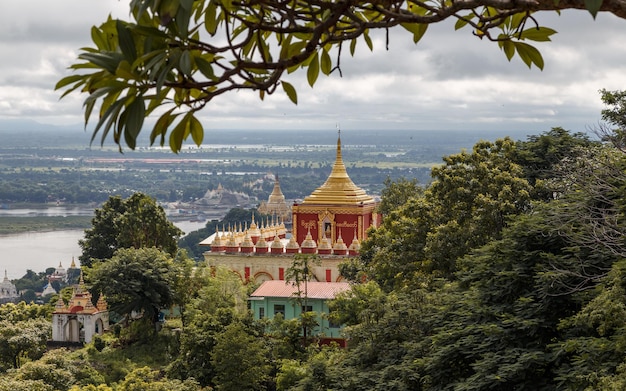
(451, 80)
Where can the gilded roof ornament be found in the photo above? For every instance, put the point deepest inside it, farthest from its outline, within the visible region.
(338, 188)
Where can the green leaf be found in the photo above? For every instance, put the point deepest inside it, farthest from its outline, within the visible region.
(124, 71)
(105, 60)
(593, 6)
(210, 18)
(151, 32)
(68, 80)
(368, 40)
(352, 46)
(325, 63)
(179, 133)
(516, 20)
(529, 54)
(538, 34)
(108, 119)
(290, 91)
(183, 16)
(135, 114)
(314, 70)
(284, 46)
(197, 132)
(99, 39)
(295, 48)
(460, 23)
(186, 4)
(88, 109)
(161, 125)
(185, 63)
(418, 30)
(163, 74)
(127, 44)
(205, 67)
(509, 48)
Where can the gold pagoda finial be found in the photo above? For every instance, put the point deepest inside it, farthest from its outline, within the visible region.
(339, 145)
(339, 188)
(81, 282)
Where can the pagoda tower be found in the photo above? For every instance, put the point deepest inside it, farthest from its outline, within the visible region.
(276, 204)
(336, 209)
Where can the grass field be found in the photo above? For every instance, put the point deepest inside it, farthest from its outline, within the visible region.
(14, 225)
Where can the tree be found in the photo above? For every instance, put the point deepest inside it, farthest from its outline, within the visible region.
(137, 280)
(614, 128)
(9, 384)
(176, 56)
(592, 357)
(300, 273)
(22, 340)
(124, 223)
(541, 155)
(220, 301)
(146, 379)
(23, 311)
(54, 369)
(471, 198)
(235, 345)
(397, 193)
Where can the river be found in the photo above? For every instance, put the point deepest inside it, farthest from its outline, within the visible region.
(40, 250)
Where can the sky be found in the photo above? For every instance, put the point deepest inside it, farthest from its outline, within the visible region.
(450, 80)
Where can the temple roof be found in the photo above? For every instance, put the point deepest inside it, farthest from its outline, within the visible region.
(315, 289)
(338, 188)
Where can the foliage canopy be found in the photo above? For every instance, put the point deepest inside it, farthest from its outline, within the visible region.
(135, 222)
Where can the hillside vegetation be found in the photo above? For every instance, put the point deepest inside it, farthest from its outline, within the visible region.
(505, 272)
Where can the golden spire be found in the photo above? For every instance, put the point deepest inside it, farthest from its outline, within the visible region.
(338, 188)
(81, 283)
(217, 241)
(277, 195)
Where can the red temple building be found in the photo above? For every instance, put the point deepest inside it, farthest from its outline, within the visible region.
(331, 222)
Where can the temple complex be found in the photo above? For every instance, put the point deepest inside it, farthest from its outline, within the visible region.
(331, 223)
(59, 274)
(8, 291)
(276, 204)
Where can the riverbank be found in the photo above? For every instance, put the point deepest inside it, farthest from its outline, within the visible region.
(22, 224)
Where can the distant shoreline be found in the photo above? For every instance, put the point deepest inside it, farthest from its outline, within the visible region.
(22, 224)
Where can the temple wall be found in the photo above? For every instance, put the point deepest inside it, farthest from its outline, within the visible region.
(259, 268)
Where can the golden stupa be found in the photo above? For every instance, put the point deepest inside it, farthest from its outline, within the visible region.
(338, 188)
